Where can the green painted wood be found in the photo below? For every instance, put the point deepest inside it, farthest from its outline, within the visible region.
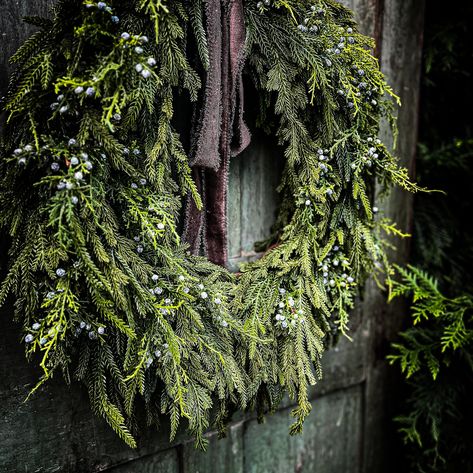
(330, 443)
(55, 431)
(223, 455)
(253, 200)
(234, 209)
(163, 462)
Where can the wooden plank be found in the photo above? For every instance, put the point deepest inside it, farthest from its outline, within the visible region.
(163, 462)
(224, 455)
(259, 173)
(344, 365)
(13, 30)
(368, 14)
(401, 49)
(234, 209)
(330, 442)
(54, 430)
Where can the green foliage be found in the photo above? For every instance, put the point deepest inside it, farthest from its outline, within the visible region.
(450, 323)
(432, 352)
(324, 102)
(435, 350)
(93, 173)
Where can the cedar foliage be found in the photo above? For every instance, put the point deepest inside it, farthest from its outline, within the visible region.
(93, 173)
(435, 354)
(436, 348)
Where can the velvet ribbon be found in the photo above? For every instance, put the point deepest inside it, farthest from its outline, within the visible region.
(221, 133)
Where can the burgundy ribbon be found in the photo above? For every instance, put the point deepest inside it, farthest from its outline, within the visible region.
(222, 133)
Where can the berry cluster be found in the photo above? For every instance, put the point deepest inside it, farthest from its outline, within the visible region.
(335, 269)
(289, 311)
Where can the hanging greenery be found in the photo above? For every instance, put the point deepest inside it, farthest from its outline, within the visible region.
(94, 170)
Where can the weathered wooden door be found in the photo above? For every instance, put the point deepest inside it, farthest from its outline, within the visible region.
(56, 432)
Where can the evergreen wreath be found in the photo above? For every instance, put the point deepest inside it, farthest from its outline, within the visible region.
(93, 175)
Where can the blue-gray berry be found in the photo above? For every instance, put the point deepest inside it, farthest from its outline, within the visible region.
(29, 338)
(60, 272)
